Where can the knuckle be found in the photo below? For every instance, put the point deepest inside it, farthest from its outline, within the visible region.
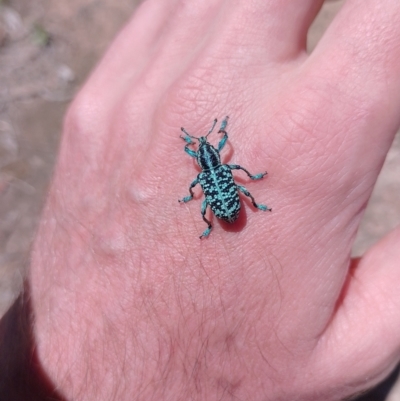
(86, 115)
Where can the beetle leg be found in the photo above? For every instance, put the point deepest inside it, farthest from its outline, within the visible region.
(222, 142)
(190, 197)
(253, 177)
(247, 193)
(190, 152)
(203, 214)
(189, 141)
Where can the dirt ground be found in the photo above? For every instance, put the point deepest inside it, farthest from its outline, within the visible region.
(47, 48)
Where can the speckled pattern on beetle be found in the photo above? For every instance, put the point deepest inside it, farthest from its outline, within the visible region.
(216, 179)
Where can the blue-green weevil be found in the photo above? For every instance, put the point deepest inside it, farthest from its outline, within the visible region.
(216, 179)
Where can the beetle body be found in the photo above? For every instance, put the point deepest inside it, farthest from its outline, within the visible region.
(221, 192)
(216, 179)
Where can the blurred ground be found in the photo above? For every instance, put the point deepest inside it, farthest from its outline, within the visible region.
(47, 48)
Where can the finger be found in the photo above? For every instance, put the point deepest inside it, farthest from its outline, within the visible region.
(122, 64)
(363, 337)
(128, 66)
(246, 36)
(277, 28)
(134, 45)
(359, 54)
(165, 31)
(151, 51)
(343, 104)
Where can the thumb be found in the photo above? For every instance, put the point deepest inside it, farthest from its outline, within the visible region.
(361, 345)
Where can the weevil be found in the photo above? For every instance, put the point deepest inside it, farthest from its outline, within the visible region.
(216, 179)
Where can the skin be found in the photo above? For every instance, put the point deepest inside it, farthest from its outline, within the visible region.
(129, 304)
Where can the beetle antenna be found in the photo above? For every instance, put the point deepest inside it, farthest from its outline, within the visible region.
(212, 128)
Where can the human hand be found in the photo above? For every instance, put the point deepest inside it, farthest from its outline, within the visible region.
(130, 303)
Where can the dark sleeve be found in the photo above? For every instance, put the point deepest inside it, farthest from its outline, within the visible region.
(381, 391)
(21, 375)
